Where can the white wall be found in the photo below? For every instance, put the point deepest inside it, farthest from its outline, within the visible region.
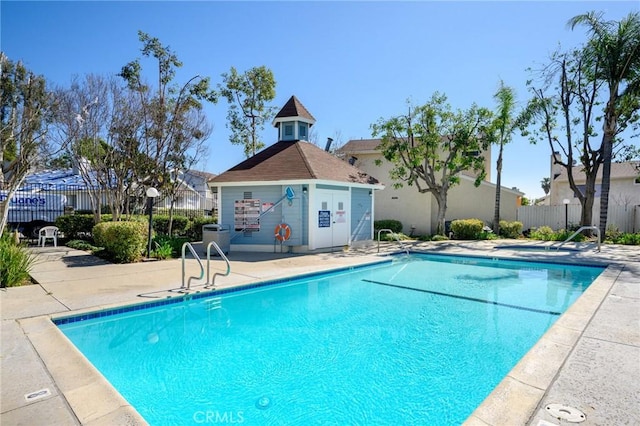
(413, 208)
(625, 218)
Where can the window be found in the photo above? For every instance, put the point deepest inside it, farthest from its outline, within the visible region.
(583, 188)
(303, 131)
(288, 130)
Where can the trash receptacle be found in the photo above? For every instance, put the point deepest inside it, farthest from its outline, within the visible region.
(219, 235)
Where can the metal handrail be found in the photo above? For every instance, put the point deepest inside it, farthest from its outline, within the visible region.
(582, 228)
(221, 253)
(193, 252)
(395, 236)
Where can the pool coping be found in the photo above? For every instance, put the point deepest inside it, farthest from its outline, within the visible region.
(523, 388)
(93, 400)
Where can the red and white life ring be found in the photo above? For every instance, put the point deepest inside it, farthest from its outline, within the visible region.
(282, 232)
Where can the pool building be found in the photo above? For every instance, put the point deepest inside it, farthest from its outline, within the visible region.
(294, 196)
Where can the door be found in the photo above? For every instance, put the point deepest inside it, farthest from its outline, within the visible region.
(332, 218)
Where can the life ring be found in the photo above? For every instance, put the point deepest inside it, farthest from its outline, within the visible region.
(282, 232)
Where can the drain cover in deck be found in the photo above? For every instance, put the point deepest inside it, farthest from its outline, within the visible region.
(566, 413)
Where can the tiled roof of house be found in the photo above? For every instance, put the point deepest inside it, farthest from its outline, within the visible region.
(629, 169)
(294, 108)
(293, 161)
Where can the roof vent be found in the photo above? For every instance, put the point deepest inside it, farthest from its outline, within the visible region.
(328, 145)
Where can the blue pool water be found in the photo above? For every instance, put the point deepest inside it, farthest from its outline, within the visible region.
(419, 340)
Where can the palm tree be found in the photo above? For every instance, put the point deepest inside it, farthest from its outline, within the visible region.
(614, 47)
(503, 127)
(545, 183)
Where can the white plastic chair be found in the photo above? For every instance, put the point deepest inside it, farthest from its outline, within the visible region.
(48, 232)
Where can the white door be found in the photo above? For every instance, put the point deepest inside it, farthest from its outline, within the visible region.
(331, 218)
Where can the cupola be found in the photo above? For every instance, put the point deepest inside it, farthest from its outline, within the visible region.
(293, 121)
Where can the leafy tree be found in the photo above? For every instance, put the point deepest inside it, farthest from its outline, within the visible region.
(504, 125)
(174, 129)
(545, 184)
(431, 145)
(614, 50)
(248, 95)
(24, 113)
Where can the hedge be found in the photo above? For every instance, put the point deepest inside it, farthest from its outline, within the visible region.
(75, 226)
(393, 225)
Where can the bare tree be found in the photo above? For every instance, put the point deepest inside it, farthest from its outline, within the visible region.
(24, 107)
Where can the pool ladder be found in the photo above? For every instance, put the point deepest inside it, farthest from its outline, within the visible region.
(582, 228)
(404, 248)
(211, 282)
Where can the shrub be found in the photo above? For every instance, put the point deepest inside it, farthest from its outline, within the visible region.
(15, 262)
(510, 229)
(612, 234)
(174, 243)
(439, 238)
(82, 245)
(75, 226)
(467, 229)
(394, 225)
(178, 227)
(394, 236)
(194, 231)
(162, 251)
(124, 242)
(561, 235)
(487, 235)
(544, 233)
(627, 239)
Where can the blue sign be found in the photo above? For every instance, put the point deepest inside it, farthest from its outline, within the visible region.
(324, 218)
(289, 193)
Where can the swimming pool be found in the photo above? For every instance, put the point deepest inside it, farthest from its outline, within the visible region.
(423, 340)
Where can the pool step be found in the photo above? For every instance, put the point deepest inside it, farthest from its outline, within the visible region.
(213, 303)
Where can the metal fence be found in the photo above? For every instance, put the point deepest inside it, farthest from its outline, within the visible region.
(44, 203)
(624, 217)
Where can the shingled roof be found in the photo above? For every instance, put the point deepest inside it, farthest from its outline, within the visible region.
(360, 145)
(627, 170)
(294, 108)
(297, 160)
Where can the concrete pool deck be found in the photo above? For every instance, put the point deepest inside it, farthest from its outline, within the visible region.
(588, 360)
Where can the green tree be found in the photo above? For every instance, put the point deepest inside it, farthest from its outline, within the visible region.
(545, 184)
(174, 129)
(614, 50)
(24, 113)
(504, 125)
(432, 144)
(248, 95)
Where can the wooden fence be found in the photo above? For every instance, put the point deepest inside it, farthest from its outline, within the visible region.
(625, 218)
